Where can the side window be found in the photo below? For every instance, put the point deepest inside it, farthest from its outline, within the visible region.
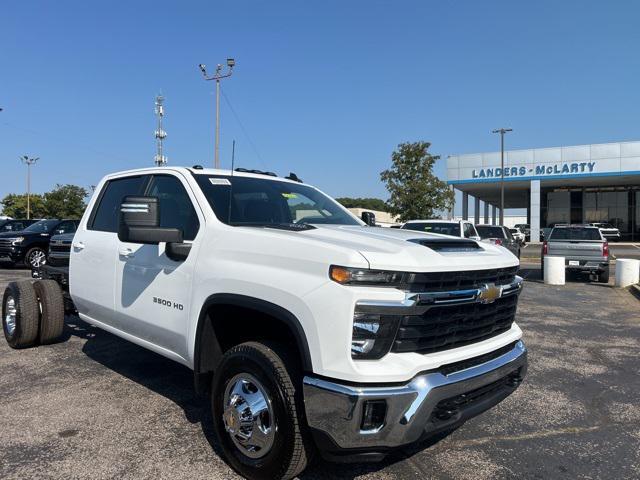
(65, 227)
(507, 233)
(105, 214)
(468, 232)
(176, 209)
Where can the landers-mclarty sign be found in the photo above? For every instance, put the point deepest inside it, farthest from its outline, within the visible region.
(538, 170)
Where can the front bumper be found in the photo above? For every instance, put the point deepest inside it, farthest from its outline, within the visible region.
(12, 254)
(430, 403)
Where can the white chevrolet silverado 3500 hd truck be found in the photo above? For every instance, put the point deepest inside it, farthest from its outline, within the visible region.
(310, 330)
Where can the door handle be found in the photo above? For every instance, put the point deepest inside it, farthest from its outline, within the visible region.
(126, 253)
(78, 246)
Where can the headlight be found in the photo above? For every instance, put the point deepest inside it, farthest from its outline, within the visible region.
(16, 240)
(364, 276)
(373, 334)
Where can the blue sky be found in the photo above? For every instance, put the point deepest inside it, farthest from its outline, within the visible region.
(325, 89)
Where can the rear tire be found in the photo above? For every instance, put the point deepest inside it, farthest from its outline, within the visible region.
(20, 314)
(277, 447)
(604, 276)
(52, 310)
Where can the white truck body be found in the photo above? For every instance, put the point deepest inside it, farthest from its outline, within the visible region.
(395, 334)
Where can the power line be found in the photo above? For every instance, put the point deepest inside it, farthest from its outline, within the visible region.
(244, 130)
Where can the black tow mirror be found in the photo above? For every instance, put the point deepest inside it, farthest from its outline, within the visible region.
(140, 222)
(369, 218)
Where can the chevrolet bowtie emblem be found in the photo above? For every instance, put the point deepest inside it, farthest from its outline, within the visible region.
(489, 293)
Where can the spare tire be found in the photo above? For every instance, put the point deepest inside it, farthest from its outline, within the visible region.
(20, 314)
(51, 310)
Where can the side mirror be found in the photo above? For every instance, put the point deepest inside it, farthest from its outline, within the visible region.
(369, 218)
(140, 222)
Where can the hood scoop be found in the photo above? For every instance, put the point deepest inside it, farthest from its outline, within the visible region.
(445, 245)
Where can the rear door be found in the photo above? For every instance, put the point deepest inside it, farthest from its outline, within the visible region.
(152, 294)
(94, 252)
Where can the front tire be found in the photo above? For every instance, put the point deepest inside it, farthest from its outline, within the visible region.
(20, 314)
(258, 413)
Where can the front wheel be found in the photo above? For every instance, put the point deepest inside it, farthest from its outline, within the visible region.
(257, 412)
(35, 257)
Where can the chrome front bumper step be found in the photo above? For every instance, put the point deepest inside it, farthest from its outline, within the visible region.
(336, 410)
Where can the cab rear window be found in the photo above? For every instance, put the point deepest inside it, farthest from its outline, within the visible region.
(575, 234)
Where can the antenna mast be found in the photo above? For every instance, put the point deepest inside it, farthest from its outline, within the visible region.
(160, 159)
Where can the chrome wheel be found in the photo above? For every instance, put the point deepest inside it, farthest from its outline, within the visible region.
(37, 258)
(248, 416)
(10, 315)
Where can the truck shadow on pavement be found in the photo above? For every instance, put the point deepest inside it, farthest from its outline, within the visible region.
(175, 382)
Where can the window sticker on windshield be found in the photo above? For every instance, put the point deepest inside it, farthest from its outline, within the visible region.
(289, 195)
(219, 181)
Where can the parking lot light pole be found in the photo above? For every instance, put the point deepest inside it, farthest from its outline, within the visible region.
(217, 77)
(502, 131)
(28, 162)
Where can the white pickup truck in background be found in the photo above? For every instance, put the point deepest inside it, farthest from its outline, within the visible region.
(309, 329)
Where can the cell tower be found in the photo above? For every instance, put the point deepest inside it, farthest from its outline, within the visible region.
(160, 159)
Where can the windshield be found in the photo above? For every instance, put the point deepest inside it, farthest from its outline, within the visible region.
(43, 226)
(257, 201)
(443, 228)
(577, 233)
(490, 232)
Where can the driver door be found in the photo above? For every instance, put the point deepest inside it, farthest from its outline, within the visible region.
(152, 296)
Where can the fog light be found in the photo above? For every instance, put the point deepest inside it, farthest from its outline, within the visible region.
(373, 414)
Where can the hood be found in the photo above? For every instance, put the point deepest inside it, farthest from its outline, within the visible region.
(406, 250)
(62, 238)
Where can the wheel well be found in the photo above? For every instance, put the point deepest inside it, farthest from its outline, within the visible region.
(228, 320)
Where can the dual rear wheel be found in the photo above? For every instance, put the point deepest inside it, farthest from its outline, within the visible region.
(32, 313)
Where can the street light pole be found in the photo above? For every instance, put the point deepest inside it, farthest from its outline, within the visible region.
(217, 77)
(502, 131)
(28, 162)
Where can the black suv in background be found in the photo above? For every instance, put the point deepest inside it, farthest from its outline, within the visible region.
(499, 235)
(29, 246)
(14, 225)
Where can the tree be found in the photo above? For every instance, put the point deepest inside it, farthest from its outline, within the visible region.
(368, 203)
(416, 193)
(65, 201)
(15, 206)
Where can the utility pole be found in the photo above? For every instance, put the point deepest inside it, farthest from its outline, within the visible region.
(160, 159)
(28, 162)
(217, 77)
(502, 131)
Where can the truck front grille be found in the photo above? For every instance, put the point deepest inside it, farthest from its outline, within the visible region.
(60, 248)
(449, 281)
(5, 242)
(443, 327)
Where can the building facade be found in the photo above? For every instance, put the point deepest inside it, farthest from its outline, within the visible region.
(575, 184)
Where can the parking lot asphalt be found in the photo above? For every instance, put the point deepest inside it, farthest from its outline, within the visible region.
(95, 406)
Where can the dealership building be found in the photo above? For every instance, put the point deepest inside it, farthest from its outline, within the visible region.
(577, 184)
